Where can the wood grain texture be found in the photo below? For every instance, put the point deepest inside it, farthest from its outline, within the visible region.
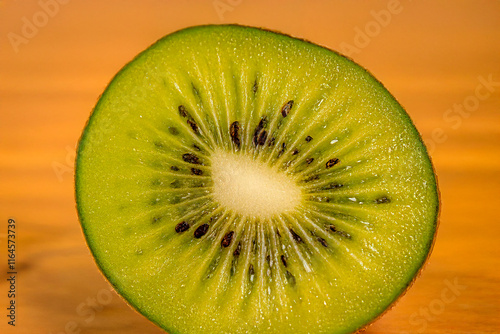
(432, 55)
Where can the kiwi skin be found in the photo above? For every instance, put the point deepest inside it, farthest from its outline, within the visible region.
(123, 294)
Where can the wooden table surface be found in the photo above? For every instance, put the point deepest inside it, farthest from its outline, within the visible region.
(441, 59)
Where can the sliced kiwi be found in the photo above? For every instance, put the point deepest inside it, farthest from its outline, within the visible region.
(236, 180)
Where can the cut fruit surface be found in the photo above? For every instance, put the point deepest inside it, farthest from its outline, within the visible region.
(236, 180)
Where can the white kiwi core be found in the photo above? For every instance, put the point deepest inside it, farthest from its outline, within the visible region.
(251, 188)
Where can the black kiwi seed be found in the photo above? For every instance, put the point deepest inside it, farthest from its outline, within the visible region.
(193, 125)
(332, 186)
(260, 135)
(262, 122)
(382, 200)
(226, 241)
(323, 242)
(173, 130)
(196, 171)
(271, 141)
(237, 251)
(283, 260)
(285, 110)
(295, 152)
(261, 138)
(182, 227)
(251, 271)
(312, 178)
(309, 160)
(344, 234)
(341, 233)
(278, 233)
(309, 138)
(183, 112)
(255, 139)
(255, 87)
(191, 158)
(234, 132)
(174, 168)
(295, 236)
(283, 148)
(195, 90)
(196, 147)
(233, 267)
(332, 162)
(290, 278)
(201, 231)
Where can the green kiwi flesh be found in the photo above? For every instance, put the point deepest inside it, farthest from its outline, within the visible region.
(236, 180)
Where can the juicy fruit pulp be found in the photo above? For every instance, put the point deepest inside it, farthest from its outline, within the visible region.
(235, 180)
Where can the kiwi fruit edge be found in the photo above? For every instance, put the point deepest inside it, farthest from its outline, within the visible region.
(124, 294)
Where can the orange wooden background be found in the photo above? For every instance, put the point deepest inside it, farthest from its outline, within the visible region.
(432, 55)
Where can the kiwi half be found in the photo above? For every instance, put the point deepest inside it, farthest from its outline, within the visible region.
(237, 180)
